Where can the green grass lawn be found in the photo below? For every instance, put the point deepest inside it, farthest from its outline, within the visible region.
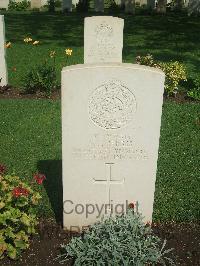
(31, 141)
(166, 37)
(30, 130)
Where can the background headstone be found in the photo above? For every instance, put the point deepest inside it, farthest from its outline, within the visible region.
(4, 4)
(36, 3)
(151, 4)
(193, 7)
(111, 115)
(103, 39)
(67, 5)
(130, 6)
(99, 5)
(3, 69)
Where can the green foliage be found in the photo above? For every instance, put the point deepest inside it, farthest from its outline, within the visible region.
(41, 78)
(175, 72)
(51, 5)
(146, 60)
(19, 6)
(56, 3)
(18, 215)
(123, 240)
(194, 93)
(113, 6)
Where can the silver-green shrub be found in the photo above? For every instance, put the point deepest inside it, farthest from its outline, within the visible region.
(123, 240)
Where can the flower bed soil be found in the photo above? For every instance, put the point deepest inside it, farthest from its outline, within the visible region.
(9, 92)
(183, 238)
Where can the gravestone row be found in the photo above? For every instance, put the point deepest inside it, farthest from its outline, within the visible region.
(111, 115)
(67, 4)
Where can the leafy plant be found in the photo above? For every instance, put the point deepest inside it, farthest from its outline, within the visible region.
(58, 3)
(18, 215)
(175, 72)
(146, 60)
(19, 6)
(194, 93)
(123, 240)
(41, 78)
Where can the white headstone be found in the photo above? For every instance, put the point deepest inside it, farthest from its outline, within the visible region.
(44, 2)
(36, 3)
(103, 39)
(4, 4)
(67, 5)
(99, 5)
(111, 115)
(3, 69)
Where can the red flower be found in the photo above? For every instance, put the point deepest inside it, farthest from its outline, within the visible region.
(16, 192)
(39, 178)
(24, 191)
(2, 169)
(131, 205)
(20, 191)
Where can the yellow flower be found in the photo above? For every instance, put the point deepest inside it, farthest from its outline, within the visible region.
(52, 54)
(2, 204)
(68, 51)
(27, 40)
(8, 45)
(35, 42)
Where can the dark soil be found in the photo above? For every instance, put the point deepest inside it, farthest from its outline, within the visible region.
(9, 92)
(45, 247)
(184, 238)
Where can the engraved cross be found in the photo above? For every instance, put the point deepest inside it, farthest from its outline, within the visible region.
(108, 181)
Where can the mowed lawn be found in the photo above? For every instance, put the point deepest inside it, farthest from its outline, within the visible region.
(31, 141)
(174, 37)
(30, 130)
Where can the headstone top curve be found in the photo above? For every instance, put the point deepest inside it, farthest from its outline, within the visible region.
(109, 65)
